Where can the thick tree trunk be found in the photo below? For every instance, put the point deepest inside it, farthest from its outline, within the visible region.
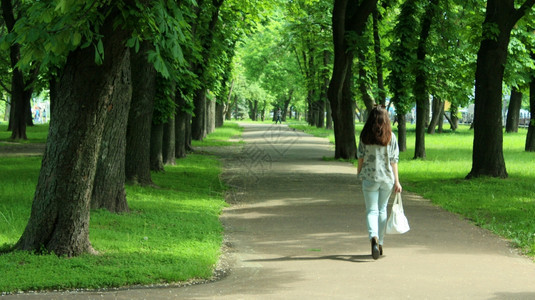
(137, 164)
(530, 138)
(219, 114)
(20, 102)
(156, 147)
(59, 220)
(210, 116)
(108, 190)
(181, 118)
(402, 132)
(329, 121)
(454, 120)
(321, 111)
(286, 105)
(487, 155)
(513, 112)
(346, 127)
(189, 147)
(437, 111)
(168, 143)
(441, 118)
(419, 147)
(198, 122)
(346, 18)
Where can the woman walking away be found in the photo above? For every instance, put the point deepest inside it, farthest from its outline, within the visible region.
(378, 156)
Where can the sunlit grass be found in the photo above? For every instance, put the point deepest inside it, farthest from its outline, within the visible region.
(221, 136)
(36, 134)
(505, 206)
(172, 233)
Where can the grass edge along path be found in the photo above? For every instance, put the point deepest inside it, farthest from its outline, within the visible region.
(503, 206)
(172, 234)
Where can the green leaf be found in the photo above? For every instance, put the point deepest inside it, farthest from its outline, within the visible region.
(62, 6)
(76, 38)
(100, 47)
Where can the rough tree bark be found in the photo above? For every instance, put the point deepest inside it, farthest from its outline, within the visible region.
(108, 190)
(137, 164)
(454, 120)
(513, 111)
(487, 153)
(59, 219)
(169, 143)
(219, 114)
(437, 112)
(210, 116)
(347, 17)
(441, 118)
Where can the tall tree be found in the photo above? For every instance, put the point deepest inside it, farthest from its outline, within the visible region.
(402, 52)
(513, 111)
(21, 89)
(108, 190)
(206, 38)
(348, 18)
(137, 165)
(487, 155)
(59, 220)
(437, 112)
(420, 88)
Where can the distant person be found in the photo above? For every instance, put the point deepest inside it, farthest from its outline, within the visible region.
(278, 116)
(37, 117)
(378, 156)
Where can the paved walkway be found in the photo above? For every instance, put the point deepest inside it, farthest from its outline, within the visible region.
(296, 230)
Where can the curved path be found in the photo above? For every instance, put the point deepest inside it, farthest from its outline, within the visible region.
(296, 230)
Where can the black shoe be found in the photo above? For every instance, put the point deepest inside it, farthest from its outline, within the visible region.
(381, 249)
(375, 248)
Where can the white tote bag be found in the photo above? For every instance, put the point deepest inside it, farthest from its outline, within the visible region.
(397, 222)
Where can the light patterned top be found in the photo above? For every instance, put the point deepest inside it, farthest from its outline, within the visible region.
(377, 161)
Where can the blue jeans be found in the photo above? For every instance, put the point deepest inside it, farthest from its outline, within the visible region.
(376, 195)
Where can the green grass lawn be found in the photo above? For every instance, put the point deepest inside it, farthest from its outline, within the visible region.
(504, 206)
(172, 233)
(35, 134)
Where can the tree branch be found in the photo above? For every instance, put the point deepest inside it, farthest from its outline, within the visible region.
(521, 11)
(5, 87)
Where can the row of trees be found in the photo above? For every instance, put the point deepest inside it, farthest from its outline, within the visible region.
(133, 81)
(408, 52)
(129, 84)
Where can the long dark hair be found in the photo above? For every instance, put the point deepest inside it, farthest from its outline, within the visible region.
(377, 130)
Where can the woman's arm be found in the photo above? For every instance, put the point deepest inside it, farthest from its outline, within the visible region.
(361, 161)
(397, 185)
